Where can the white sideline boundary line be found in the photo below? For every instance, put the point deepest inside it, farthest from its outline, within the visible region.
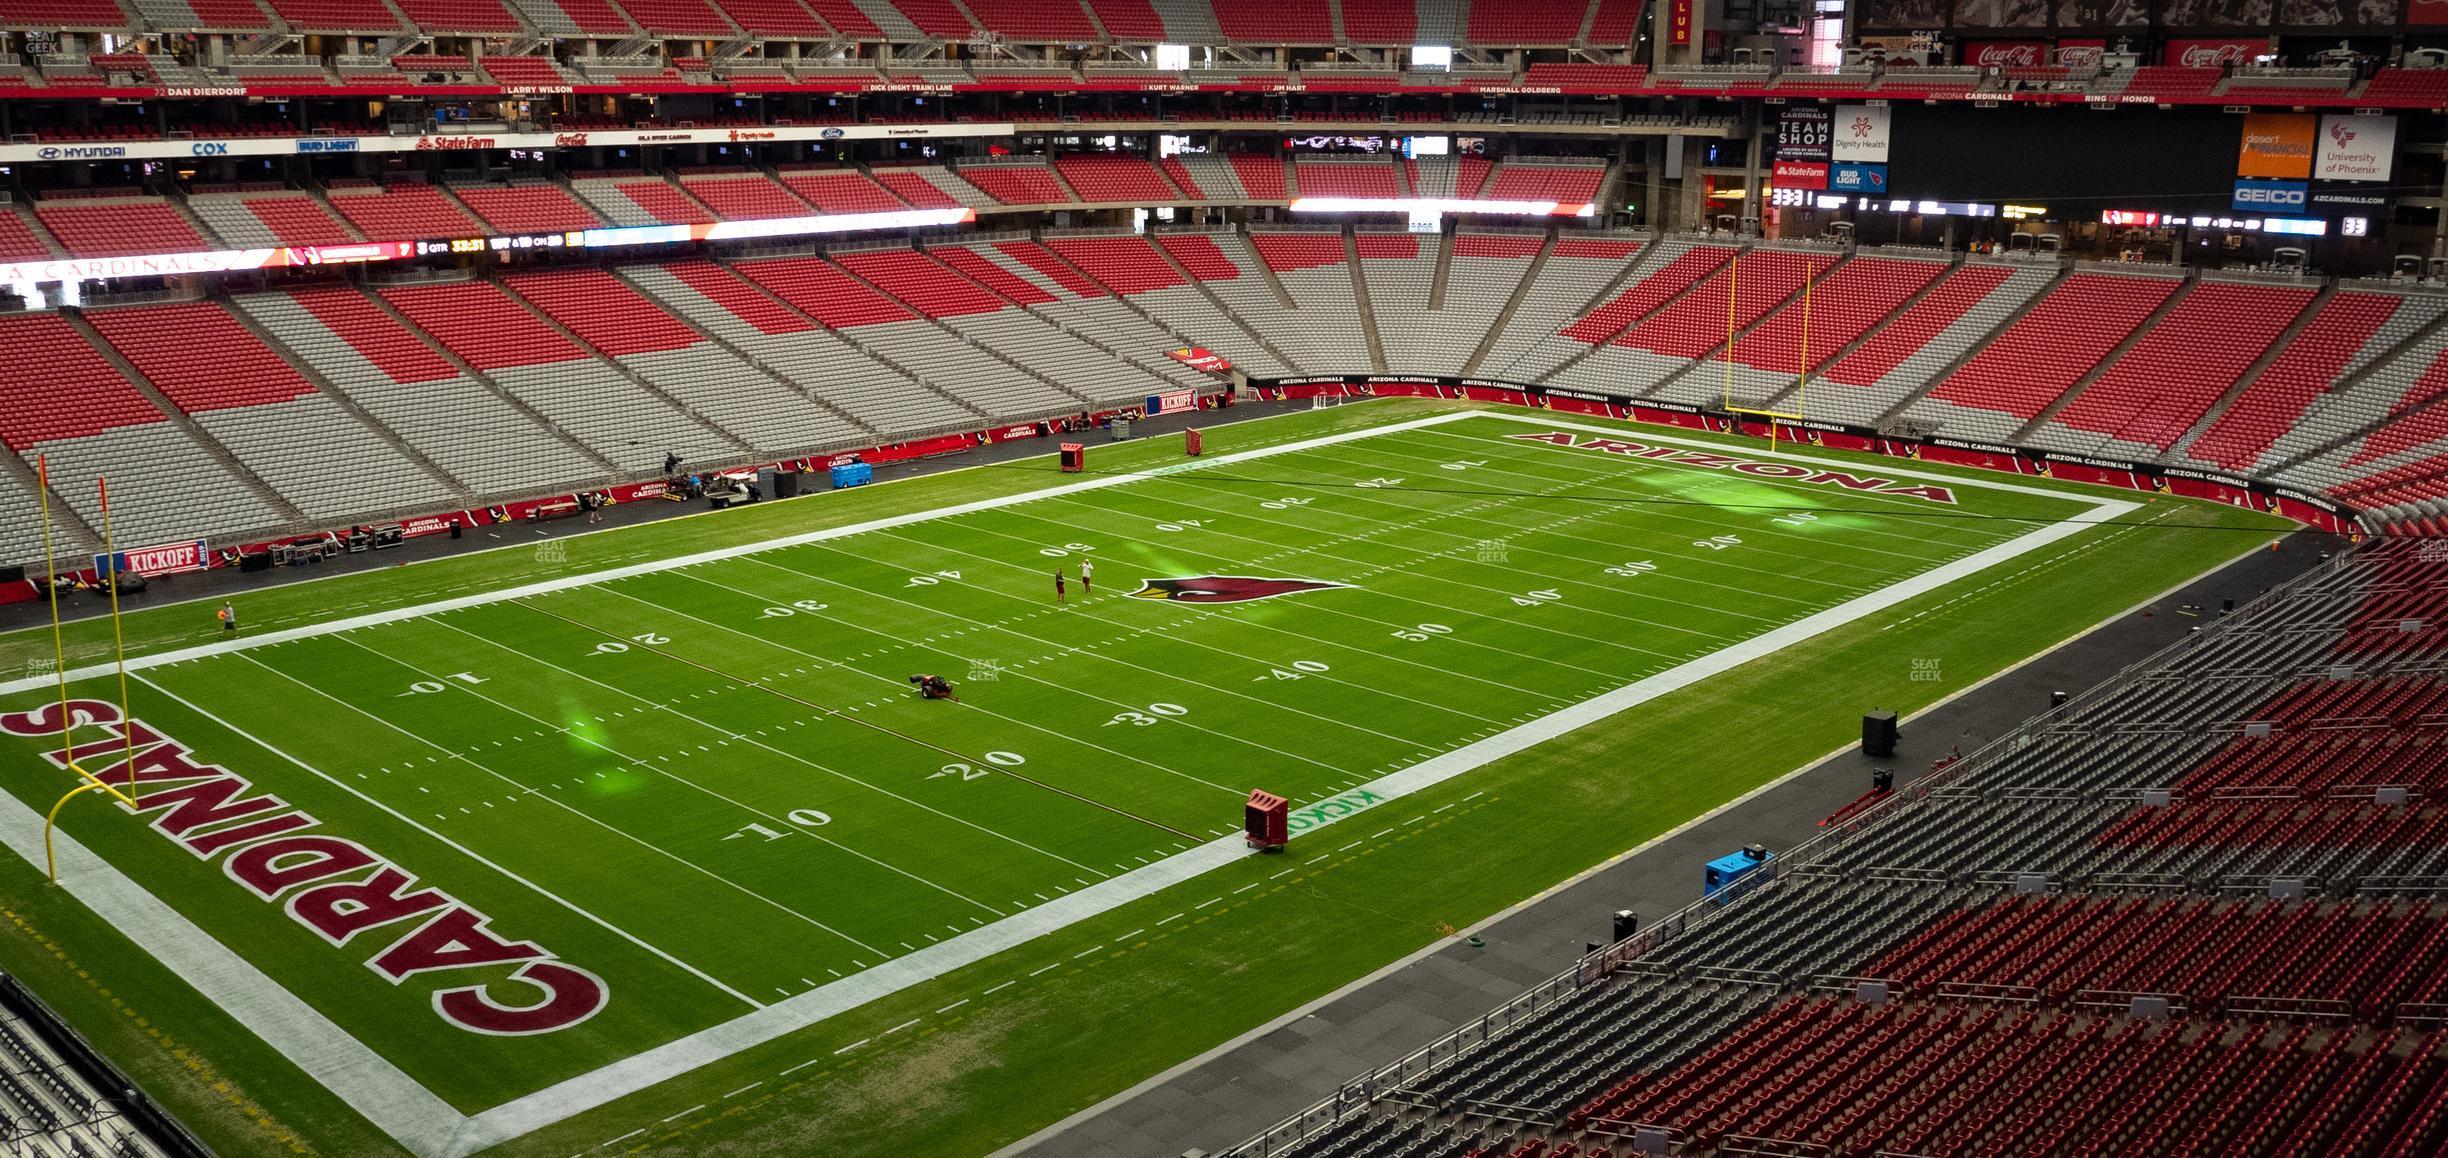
(640, 1071)
(427, 1126)
(1430, 949)
(715, 555)
(396, 1103)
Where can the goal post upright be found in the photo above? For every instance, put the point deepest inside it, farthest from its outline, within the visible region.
(59, 659)
(1801, 385)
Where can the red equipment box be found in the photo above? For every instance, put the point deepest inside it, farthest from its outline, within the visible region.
(1267, 819)
(1074, 458)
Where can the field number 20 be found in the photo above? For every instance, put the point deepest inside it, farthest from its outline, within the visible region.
(968, 771)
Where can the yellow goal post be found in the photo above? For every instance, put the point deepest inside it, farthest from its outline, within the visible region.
(109, 576)
(1801, 396)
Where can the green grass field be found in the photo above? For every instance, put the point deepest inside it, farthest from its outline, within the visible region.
(644, 838)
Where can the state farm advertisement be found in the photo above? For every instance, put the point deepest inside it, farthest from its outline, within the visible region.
(1799, 175)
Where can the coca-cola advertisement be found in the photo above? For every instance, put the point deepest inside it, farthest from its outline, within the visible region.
(2081, 53)
(2005, 53)
(2215, 52)
(2216, 14)
(2001, 13)
(2073, 14)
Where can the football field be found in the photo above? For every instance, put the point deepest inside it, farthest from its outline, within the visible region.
(480, 863)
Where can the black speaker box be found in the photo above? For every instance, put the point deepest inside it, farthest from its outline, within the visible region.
(260, 561)
(1878, 734)
(786, 484)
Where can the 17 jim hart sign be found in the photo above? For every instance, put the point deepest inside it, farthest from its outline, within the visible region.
(346, 894)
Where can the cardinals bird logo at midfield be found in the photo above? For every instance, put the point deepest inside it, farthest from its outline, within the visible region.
(1226, 588)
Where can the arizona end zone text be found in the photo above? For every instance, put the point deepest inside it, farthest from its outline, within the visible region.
(1808, 476)
(205, 809)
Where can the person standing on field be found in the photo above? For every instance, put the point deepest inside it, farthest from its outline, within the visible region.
(1087, 578)
(1058, 586)
(228, 615)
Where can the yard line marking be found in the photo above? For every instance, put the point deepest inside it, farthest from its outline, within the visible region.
(609, 750)
(1094, 651)
(998, 989)
(471, 853)
(1127, 936)
(805, 1064)
(1086, 952)
(853, 1045)
(1324, 607)
(1326, 551)
(1330, 539)
(904, 1025)
(1174, 917)
(1047, 969)
(1293, 869)
(622, 1138)
(639, 1071)
(953, 1006)
(1061, 736)
(743, 1089)
(1248, 887)
(1203, 904)
(687, 1112)
(396, 1103)
(785, 754)
(656, 566)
